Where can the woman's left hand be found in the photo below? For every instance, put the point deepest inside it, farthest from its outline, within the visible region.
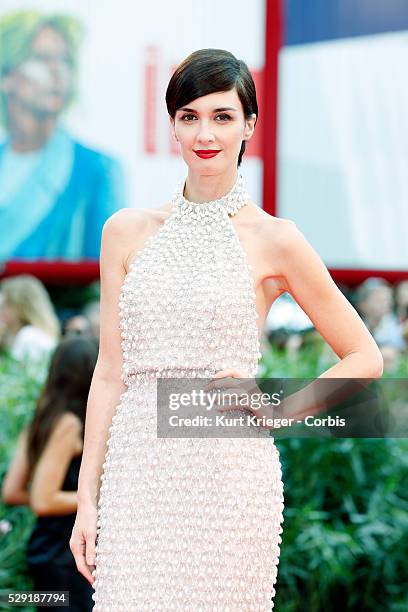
(232, 381)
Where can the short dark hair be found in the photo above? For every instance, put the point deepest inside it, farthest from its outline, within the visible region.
(208, 71)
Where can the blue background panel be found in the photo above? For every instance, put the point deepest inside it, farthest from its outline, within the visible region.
(308, 21)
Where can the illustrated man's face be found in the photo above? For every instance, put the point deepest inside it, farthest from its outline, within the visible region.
(42, 83)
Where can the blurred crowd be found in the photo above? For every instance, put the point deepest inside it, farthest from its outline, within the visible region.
(382, 306)
(30, 326)
(43, 471)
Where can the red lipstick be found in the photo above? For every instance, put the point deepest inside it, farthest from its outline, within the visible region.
(207, 153)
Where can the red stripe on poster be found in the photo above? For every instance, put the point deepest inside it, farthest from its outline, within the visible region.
(273, 42)
(150, 99)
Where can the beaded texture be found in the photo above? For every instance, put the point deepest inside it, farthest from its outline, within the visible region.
(188, 525)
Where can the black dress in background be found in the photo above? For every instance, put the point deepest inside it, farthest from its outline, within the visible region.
(50, 560)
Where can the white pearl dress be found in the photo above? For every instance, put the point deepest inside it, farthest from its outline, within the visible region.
(187, 524)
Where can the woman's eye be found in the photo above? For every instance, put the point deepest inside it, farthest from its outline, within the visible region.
(222, 116)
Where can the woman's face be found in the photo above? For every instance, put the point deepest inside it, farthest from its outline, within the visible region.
(378, 302)
(402, 293)
(9, 320)
(215, 122)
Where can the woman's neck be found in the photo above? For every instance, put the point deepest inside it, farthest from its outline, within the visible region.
(204, 188)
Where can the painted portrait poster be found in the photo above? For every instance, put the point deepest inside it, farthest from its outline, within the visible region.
(56, 191)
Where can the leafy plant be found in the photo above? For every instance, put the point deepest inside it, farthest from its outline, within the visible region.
(345, 538)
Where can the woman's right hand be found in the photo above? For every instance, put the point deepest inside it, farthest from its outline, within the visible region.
(83, 540)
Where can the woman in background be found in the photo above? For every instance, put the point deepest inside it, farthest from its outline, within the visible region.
(29, 326)
(44, 471)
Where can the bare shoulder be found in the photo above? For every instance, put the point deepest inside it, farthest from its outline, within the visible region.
(287, 250)
(272, 233)
(68, 433)
(128, 228)
(125, 220)
(68, 424)
(65, 437)
(279, 234)
(278, 240)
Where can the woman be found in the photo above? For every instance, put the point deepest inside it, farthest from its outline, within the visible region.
(29, 326)
(45, 467)
(195, 524)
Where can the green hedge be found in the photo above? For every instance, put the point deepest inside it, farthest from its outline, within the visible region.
(19, 390)
(345, 538)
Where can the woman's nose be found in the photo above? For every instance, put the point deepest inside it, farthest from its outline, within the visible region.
(204, 132)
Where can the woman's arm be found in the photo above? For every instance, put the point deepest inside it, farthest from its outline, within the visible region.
(121, 234)
(298, 269)
(303, 274)
(107, 386)
(14, 489)
(46, 496)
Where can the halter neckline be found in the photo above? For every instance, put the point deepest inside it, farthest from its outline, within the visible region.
(231, 202)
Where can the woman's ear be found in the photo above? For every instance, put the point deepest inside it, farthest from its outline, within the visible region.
(173, 129)
(250, 126)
